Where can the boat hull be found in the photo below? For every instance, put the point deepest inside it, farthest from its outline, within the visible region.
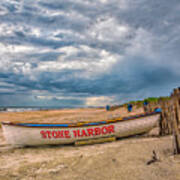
(19, 136)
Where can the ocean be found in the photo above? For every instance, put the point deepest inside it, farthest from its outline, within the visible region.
(22, 109)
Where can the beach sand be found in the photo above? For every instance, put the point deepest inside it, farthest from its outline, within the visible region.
(67, 115)
(124, 159)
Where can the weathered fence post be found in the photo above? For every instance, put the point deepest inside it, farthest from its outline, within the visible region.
(165, 122)
(175, 121)
(170, 118)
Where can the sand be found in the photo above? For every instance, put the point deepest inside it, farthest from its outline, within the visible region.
(123, 159)
(67, 115)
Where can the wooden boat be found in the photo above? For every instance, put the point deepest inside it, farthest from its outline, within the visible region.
(29, 134)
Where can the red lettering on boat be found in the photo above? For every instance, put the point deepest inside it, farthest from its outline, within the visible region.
(49, 134)
(111, 128)
(104, 130)
(97, 131)
(60, 134)
(55, 134)
(90, 132)
(84, 133)
(78, 132)
(75, 133)
(43, 133)
(67, 135)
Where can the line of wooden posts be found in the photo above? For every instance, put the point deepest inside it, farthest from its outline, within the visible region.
(170, 117)
(169, 123)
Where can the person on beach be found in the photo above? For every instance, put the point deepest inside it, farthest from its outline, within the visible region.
(129, 107)
(107, 108)
(145, 105)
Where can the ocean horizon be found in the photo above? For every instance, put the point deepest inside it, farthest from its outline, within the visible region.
(31, 108)
(37, 108)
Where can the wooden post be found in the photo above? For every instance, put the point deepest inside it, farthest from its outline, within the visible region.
(162, 120)
(170, 118)
(175, 121)
(177, 101)
(165, 122)
(176, 135)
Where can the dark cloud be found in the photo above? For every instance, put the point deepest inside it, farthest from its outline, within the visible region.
(79, 49)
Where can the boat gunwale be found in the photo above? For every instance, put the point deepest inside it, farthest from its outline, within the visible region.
(78, 124)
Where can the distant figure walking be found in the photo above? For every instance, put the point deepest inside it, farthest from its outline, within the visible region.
(107, 108)
(145, 105)
(129, 107)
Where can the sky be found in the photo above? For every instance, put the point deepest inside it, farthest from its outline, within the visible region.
(87, 52)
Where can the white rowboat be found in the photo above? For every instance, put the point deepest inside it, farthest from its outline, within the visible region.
(30, 134)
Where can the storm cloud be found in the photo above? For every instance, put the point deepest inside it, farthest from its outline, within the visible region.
(82, 53)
